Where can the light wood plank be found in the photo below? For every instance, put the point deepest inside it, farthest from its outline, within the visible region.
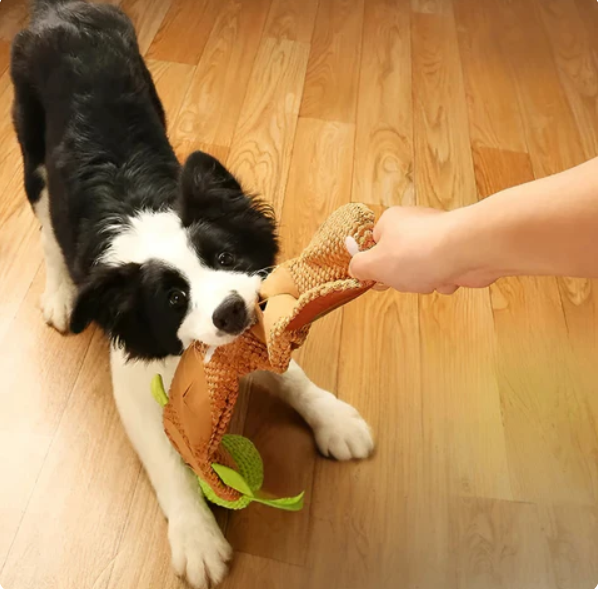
(333, 70)
(572, 536)
(550, 450)
(543, 450)
(462, 429)
(442, 7)
(20, 254)
(292, 19)
(172, 81)
(184, 31)
(319, 182)
(261, 149)
(383, 172)
(211, 108)
(501, 546)
(13, 17)
(143, 558)
(252, 572)
(39, 375)
(4, 56)
(495, 119)
(81, 502)
(147, 16)
(549, 124)
(576, 67)
(441, 143)
(368, 552)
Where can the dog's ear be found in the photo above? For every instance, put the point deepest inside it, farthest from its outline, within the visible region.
(108, 295)
(208, 190)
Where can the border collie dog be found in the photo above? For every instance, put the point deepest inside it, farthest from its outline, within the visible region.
(157, 254)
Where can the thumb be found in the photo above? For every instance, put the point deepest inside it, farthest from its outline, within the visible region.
(366, 265)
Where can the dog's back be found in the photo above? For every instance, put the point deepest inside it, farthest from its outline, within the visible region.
(89, 121)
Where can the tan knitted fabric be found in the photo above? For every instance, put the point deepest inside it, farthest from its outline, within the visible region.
(203, 395)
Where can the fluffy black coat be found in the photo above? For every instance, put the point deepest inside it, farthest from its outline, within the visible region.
(86, 110)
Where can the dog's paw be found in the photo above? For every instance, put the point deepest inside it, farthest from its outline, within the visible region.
(57, 306)
(200, 553)
(341, 432)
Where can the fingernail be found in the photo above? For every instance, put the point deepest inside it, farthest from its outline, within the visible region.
(351, 245)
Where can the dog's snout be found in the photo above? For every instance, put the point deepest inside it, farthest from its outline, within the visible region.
(231, 315)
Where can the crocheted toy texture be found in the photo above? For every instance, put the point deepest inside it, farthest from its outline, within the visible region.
(205, 387)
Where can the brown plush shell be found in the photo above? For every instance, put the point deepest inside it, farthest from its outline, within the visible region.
(203, 395)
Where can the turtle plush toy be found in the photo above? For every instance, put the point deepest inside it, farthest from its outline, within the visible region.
(203, 393)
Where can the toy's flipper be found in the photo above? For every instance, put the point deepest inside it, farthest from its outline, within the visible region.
(247, 480)
(158, 391)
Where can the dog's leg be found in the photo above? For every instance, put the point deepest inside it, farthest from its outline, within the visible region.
(199, 549)
(29, 121)
(339, 429)
(60, 291)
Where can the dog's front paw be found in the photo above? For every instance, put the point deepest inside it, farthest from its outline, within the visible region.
(57, 306)
(199, 550)
(341, 432)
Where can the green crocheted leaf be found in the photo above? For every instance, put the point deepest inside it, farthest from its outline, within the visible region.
(285, 503)
(158, 391)
(232, 479)
(247, 458)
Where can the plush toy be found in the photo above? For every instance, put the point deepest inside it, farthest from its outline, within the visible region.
(203, 393)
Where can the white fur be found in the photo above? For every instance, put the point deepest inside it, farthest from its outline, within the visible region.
(161, 236)
(339, 429)
(59, 294)
(199, 550)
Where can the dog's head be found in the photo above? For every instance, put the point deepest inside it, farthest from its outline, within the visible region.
(183, 274)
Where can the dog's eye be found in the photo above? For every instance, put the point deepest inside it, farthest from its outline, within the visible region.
(177, 298)
(226, 259)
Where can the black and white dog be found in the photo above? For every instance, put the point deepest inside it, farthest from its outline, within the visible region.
(157, 254)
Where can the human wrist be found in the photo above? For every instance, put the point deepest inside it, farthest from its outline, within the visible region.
(480, 239)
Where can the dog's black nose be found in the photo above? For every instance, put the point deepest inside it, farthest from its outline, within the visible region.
(231, 315)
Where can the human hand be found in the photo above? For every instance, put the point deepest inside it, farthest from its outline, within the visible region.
(420, 250)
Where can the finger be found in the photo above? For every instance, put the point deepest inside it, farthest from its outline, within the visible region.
(380, 286)
(447, 289)
(366, 265)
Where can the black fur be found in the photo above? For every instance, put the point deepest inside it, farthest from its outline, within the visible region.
(87, 109)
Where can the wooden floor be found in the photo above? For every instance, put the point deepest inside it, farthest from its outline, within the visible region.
(484, 404)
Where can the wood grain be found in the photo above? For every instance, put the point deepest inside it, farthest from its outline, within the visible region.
(184, 31)
(501, 545)
(388, 400)
(292, 19)
(571, 533)
(99, 453)
(333, 70)
(442, 7)
(495, 118)
(319, 182)
(13, 16)
(261, 149)
(451, 463)
(443, 154)
(147, 16)
(211, 107)
(549, 125)
(252, 572)
(483, 405)
(576, 67)
(172, 81)
(383, 172)
(4, 56)
(145, 520)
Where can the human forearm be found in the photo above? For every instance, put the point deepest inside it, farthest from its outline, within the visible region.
(545, 227)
